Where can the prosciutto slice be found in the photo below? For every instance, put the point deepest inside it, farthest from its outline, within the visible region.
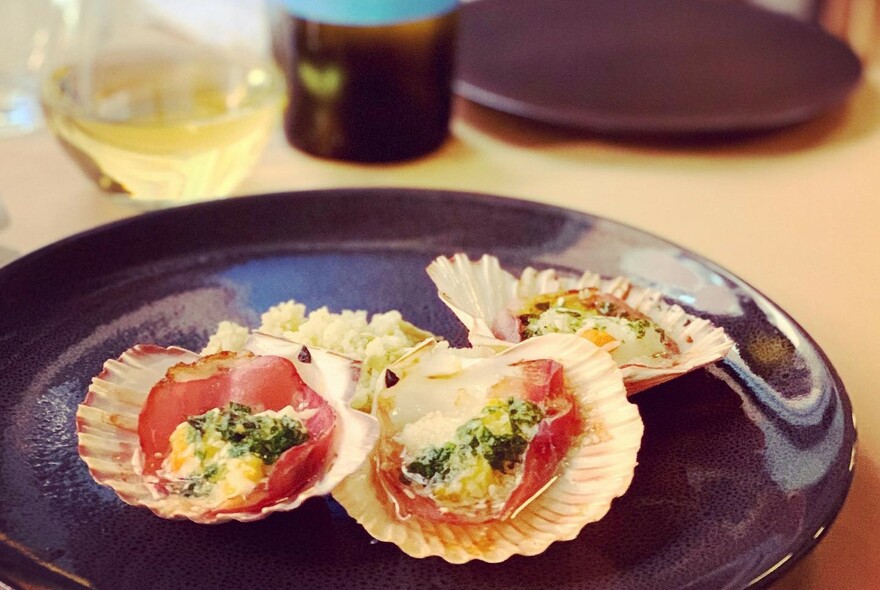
(127, 418)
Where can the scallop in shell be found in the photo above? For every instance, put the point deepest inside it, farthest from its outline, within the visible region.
(651, 340)
(230, 436)
(484, 455)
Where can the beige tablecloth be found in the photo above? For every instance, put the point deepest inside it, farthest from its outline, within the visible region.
(796, 213)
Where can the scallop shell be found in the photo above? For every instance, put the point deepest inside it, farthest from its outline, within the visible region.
(477, 291)
(598, 468)
(107, 427)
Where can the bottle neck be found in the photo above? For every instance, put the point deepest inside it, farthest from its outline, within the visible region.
(367, 12)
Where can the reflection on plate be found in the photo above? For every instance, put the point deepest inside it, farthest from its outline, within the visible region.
(650, 66)
(742, 468)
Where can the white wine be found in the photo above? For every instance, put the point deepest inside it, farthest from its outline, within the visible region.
(164, 128)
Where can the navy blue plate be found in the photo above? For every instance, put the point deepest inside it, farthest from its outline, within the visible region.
(650, 66)
(743, 465)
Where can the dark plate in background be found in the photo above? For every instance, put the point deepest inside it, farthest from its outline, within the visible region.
(650, 66)
(742, 468)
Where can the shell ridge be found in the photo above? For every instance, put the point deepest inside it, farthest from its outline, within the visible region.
(108, 441)
(700, 342)
(598, 382)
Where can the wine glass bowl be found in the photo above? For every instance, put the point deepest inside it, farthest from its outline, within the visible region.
(164, 103)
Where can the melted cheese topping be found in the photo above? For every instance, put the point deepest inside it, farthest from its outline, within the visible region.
(205, 467)
(626, 338)
(432, 429)
(475, 463)
(446, 386)
(452, 418)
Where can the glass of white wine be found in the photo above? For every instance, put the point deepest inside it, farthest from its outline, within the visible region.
(164, 101)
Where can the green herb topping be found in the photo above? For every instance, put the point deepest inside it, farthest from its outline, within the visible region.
(500, 434)
(267, 437)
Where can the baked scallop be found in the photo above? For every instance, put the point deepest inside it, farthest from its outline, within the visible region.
(651, 340)
(228, 436)
(484, 455)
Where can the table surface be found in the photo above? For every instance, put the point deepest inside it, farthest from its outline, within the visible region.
(794, 212)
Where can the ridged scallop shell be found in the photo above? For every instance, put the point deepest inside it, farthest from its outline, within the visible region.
(597, 469)
(477, 291)
(107, 425)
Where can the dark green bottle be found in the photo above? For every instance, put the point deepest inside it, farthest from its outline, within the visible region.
(368, 80)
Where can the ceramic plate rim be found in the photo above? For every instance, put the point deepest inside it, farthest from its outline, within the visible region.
(434, 196)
